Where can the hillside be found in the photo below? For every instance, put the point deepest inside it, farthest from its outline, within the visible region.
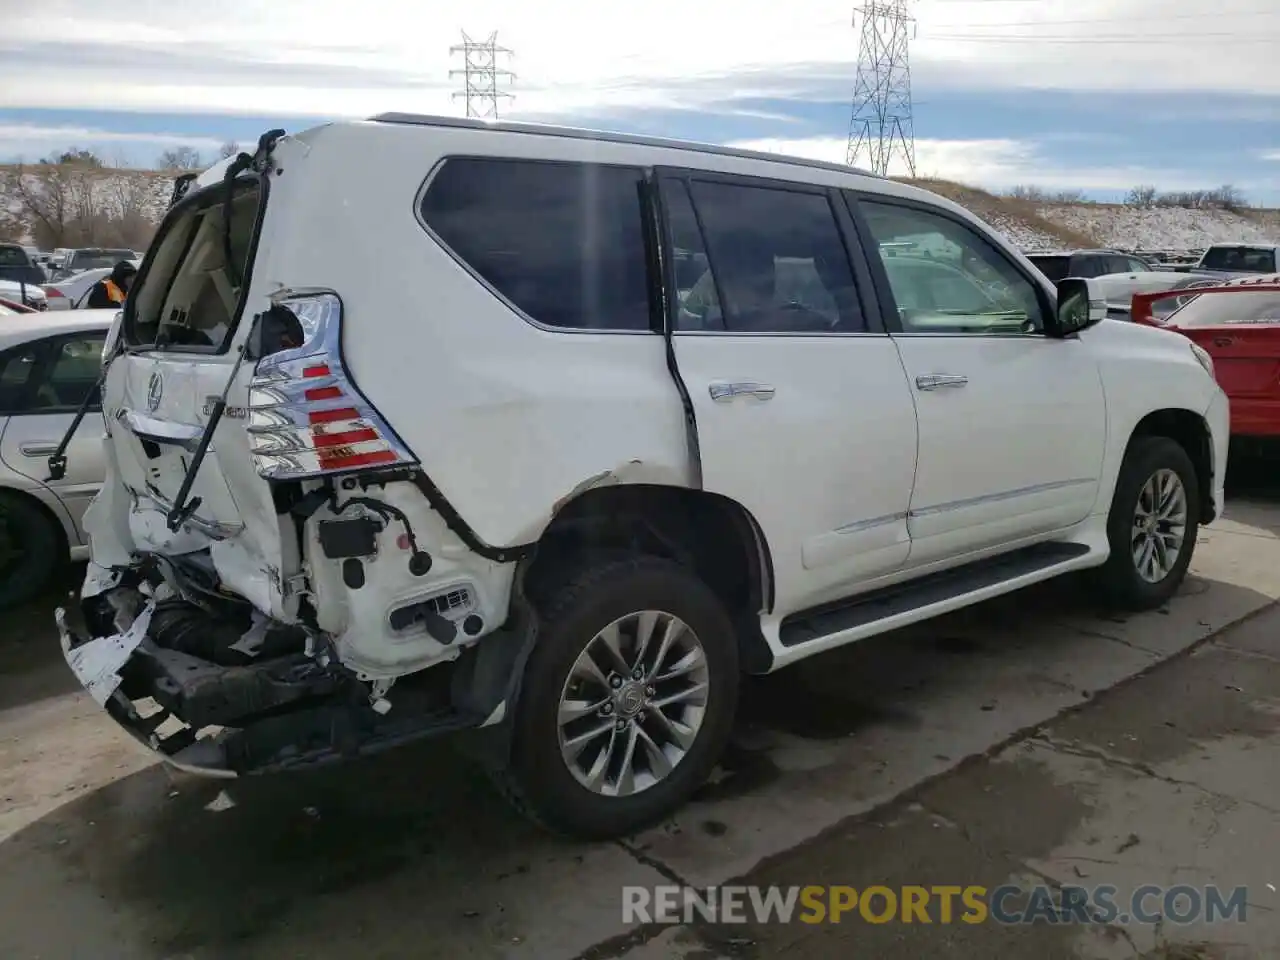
(72, 205)
(81, 205)
(1046, 225)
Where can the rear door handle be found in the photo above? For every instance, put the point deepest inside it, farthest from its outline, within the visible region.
(1223, 341)
(41, 448)
(724, 391)
(932, 381)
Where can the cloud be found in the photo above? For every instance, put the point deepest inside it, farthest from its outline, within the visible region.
(1271, 155)
(333, 57)
(996, 164)
(31, 142)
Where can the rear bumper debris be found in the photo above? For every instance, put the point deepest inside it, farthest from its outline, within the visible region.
(278, 713)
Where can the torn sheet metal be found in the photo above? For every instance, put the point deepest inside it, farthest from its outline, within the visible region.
(97, 663)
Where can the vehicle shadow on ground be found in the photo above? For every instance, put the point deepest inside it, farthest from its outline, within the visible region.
(31, 664)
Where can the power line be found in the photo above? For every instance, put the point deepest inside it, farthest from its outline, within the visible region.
(881, 125)
(1121, 20)
(1137, 41)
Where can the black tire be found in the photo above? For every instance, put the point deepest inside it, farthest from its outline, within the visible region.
(36, 545)
(537, 780)
(1119, 580)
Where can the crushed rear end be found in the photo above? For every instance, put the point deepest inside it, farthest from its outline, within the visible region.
(268, 557)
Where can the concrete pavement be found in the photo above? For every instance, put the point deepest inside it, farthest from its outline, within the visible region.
(411, 854)
(1171, 779)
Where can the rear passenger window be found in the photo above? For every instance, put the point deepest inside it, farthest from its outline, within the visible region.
(563, 242)
(778, 259)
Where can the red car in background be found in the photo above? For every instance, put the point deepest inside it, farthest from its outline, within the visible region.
(1238, 324)
(12, 306)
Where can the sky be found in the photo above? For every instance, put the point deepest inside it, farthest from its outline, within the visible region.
(1095, 95)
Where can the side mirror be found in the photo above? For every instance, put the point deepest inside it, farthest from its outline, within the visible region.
(1078, 306)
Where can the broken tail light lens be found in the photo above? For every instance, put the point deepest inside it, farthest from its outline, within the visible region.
(306, 417)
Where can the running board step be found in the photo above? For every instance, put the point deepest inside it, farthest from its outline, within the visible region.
(936, 588)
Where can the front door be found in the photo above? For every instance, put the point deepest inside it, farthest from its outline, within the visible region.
(803, 413)
(1012, 422)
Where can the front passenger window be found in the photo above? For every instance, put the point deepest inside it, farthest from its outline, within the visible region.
(947, 279)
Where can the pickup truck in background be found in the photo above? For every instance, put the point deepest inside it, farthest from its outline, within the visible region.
(1225, 260)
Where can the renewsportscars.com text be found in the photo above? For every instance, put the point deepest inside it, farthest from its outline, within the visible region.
(1009, 904)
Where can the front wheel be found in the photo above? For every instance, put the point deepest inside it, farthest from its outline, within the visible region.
(1152, 526)
(627, 700)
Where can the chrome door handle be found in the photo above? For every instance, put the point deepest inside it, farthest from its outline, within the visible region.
(723, 392)
(38, 449)
(933, 381)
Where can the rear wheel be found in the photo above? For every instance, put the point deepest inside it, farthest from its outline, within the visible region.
(30, 550)
(1152, 527)
(627, 700)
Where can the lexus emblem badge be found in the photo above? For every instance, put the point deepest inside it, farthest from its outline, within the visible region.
(155, 387)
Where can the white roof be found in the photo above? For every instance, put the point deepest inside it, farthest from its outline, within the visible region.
(23, 327)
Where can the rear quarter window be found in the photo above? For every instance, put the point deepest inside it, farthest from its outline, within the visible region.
(1245, 259)
(562, 242)
(1055, 268)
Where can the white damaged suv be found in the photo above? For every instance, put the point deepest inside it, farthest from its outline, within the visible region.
(645, 416)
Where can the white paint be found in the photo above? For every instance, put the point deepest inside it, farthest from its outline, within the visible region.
(96, 663)
(857, 478)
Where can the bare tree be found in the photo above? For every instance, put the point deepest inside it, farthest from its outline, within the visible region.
(1142, 197)
(1028, 192)
(228, 149)
(78, 157)
(43, 194)
(179, 159)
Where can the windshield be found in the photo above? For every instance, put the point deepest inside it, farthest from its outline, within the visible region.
(1053, 267)
(28, 273)
(1248, 306)
(1244, 259)
(95, 258)
(188, 297)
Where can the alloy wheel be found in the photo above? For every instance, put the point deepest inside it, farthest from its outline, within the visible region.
(1159, 525)
(633, 703)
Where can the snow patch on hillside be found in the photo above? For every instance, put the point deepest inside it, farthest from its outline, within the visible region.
(1172, 228)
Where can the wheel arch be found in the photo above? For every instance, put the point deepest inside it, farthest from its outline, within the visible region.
(26, 498)
(1191, 432)
(713, 535)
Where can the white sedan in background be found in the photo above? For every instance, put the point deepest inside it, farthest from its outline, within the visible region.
(71, 292)
(48, 364)
(30, 294)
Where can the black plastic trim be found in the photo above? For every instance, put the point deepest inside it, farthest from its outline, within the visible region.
(453, 520)
(818, 622)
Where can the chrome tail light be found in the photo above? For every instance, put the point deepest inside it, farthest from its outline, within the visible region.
(305, 416)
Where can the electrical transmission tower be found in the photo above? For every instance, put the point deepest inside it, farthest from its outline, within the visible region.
(482, 77)
(881, 127)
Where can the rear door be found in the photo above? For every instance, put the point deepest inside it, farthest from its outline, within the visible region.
(42, 384)
(803, 411)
